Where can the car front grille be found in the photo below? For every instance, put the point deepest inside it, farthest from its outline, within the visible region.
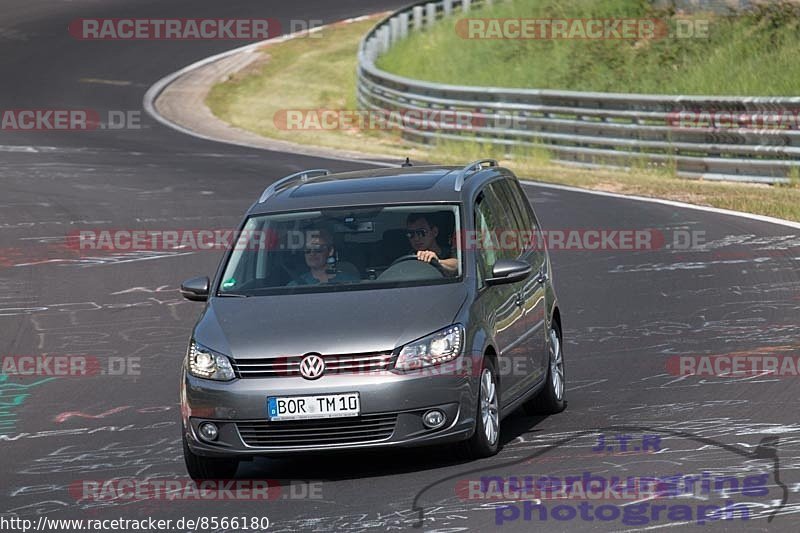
(290, 366)
(366, 428)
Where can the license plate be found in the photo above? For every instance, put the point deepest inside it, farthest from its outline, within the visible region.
(305, 407)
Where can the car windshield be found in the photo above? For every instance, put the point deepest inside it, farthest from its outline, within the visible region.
(345, 249)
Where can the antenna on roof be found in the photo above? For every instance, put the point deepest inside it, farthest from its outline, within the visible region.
(407, 163)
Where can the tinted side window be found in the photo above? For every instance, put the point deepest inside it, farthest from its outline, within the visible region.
(526, 210)
(483, 221)
(533, 240)
(532, 221)
(512, 207)
(490, 223)
(511, 240)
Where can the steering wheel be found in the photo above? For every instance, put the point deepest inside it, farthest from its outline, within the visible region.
(413, 257)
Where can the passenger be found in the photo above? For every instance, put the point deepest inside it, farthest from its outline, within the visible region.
(422, 238)
(318, 252)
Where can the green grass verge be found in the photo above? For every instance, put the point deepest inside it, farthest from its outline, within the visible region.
(320, 73)
(751, 54)
(300, 74)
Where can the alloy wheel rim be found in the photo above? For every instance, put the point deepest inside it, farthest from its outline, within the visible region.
(556, 365)
(490, 414)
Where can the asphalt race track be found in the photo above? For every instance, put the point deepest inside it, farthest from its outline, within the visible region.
(627, 314)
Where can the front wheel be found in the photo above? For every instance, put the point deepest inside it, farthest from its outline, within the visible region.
(485, 442)
(200, 467)
(550, 399)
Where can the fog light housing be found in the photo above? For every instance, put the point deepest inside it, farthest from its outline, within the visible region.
(434, 419)
(209, 431)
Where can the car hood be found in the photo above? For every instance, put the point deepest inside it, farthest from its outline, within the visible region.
(328, 323)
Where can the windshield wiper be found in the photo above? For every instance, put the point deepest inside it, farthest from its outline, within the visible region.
(232, 295)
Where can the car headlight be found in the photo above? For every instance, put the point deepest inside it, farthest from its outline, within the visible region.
(436, 348)
(208, 364)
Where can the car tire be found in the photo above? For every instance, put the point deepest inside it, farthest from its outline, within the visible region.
(200, 467)
(550, 400)
(485, 441)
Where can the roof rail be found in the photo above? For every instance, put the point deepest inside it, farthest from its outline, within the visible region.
(475, 166)
(302, 176)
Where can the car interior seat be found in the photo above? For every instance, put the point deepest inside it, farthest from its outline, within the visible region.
(394, 244)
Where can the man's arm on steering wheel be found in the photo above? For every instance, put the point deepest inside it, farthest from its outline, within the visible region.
(449, 266)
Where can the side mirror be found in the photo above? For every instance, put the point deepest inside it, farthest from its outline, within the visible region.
(509, 271)
(195, 289)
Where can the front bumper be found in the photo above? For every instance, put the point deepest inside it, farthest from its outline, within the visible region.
(392, 403)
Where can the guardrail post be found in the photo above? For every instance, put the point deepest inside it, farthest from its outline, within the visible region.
(417, 18)
(385, 42)
(430, 14)
(394, 29)
(403, 25)
(372, 49)
(448, 7)
(465, 5)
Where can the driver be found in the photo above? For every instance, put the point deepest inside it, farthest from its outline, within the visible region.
(422, 238)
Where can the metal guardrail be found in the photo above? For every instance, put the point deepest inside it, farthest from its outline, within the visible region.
(585, 128)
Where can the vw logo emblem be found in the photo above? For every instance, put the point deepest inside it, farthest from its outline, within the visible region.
(312, 366)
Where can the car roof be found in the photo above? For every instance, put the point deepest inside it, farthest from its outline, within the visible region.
(418, 184)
